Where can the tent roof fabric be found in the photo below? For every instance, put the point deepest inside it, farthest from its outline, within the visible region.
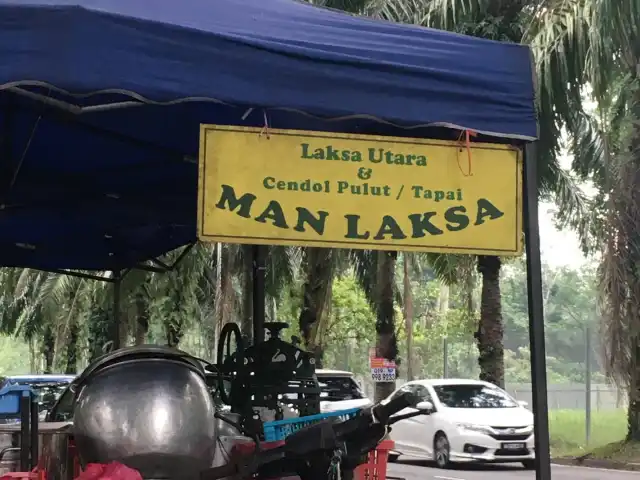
(87, 183)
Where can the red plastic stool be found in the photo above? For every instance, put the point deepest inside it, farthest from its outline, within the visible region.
(376, 467)
(245, 448)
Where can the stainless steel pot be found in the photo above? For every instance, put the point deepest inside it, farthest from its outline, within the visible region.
(149, 408)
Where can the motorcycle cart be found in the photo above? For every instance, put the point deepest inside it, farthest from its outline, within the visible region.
(171, 416)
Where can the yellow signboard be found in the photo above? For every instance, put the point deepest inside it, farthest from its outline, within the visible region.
(287, 187)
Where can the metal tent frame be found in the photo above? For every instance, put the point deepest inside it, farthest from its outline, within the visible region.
(66, 112)
(534, 293)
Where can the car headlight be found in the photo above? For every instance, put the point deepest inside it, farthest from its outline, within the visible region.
(473, 428)
(528, 429)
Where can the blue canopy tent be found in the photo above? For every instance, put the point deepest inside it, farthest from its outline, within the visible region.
(101, 100)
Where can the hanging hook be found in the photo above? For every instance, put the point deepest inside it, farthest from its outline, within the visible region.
(467, 144)
(265, 129)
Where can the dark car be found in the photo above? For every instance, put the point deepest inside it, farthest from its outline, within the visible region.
(47, 387)
(340, 391)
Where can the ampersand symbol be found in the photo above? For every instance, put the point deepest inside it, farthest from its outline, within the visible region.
(364, 173)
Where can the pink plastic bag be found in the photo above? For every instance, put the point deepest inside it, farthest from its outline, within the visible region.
(19, 475)
(35, 474)
(110, 471)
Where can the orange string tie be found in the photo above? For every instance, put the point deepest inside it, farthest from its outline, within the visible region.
(467, 134)
(265, 129)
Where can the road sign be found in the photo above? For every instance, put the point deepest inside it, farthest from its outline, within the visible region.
(383, 374)
(382, 370)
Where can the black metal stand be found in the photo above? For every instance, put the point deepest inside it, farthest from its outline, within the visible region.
(117, 283)
(35, 438)
(25, 431)
(259, 253)
(536, 315)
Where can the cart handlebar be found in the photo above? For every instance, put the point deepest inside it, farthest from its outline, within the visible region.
(314, 448)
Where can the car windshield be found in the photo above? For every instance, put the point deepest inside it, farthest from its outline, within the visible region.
(336, 389)
(216, 394)
(473, 396)
(48, 392)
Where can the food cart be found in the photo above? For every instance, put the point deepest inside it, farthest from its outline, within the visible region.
(101, 126)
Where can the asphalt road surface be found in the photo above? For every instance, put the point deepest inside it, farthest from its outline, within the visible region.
(422, 471)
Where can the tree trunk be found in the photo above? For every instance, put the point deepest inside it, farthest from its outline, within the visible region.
(443, 316)
(224, 289)
(173, 334)
(633, 256)
(71, 367)
(142, 318)
(314, 292)
(408, 315)
(100, 332)
(318, 355)
(386, 341)
(633, 411)
(33, 364)
(490, 331)
(247, 294)
(48, 347)
(217, 306)
(123, 329)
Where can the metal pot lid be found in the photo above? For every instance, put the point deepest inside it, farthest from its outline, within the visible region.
(138, 352)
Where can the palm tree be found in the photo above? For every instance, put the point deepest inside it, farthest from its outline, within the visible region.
(375, 271)
(319, 265)
(490, 333)
(599, 40)
(72, 318)
(407, 311)
(45, 305)
(504, 21)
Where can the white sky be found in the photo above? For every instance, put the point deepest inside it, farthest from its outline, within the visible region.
(559, 248)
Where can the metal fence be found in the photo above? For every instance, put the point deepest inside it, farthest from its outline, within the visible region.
(574, 396)
(560, 397)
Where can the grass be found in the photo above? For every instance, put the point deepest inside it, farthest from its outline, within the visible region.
(568, 436)
(623, 452)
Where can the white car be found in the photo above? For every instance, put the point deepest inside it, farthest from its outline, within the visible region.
(472, 421)
(340, 391)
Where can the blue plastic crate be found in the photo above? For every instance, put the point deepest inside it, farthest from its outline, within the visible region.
(281, 429)
(10, 399)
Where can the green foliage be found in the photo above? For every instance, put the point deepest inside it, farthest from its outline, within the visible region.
(351, 329)
(14, 356)
(350, 326)
(570, 307)
(440, 312)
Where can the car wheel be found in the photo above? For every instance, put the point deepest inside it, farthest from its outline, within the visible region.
(441, 450)
(393, 457)
(529, 464)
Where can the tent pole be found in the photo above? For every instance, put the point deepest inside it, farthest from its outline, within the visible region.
(116, 309)
(536, 315)
(259, 253)
(6, 162)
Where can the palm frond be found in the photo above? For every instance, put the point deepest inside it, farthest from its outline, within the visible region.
(365, 266)
(446, 267)
(351, 6)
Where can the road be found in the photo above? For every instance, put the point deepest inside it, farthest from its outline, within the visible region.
(421, 471)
